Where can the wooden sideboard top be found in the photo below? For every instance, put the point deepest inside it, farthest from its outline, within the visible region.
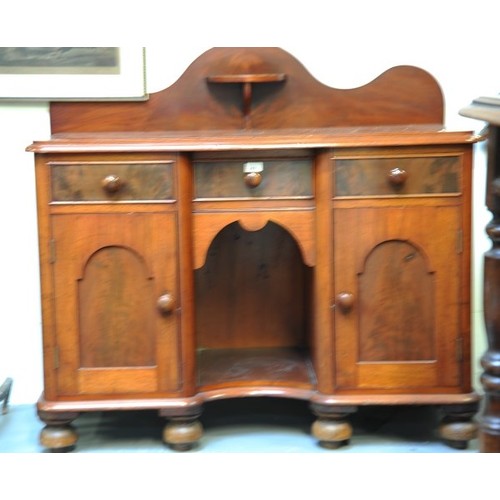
(251, 140)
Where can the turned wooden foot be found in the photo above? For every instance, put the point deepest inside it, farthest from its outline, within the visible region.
(332, 429)
(58, 435)
(458, 427)
(183, 430)
(332, 432)
(182, 434)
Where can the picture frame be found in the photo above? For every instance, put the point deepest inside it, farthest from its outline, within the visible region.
(72, 73)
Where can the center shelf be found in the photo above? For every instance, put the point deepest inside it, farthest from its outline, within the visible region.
(272, 366)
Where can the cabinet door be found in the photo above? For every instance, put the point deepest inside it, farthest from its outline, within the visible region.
(110, 271)
(398, 297)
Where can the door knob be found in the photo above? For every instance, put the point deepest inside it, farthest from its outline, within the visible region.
(345, 301)
(166, 303)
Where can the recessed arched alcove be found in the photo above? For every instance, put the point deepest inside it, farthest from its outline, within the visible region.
(397, 296)
(114, 293)
(253, 304)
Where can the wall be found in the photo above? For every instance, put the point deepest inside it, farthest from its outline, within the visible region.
(348, 49)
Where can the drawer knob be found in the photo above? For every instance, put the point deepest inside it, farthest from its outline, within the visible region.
(345, 301)
(397, 177)
(166, 303)
(112, 184)
(252, 179)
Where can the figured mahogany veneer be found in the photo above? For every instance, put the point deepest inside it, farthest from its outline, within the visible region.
(112, 181)
(250, 231)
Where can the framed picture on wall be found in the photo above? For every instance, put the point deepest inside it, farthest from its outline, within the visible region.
(72, 73)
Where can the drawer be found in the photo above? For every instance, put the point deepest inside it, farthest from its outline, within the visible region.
(423, 175)
(256, 178)
(112, 181)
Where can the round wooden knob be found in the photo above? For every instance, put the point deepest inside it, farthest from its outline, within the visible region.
(252, 179)
(112, 184)
(345, 301)
(166, 303)
(397, 177)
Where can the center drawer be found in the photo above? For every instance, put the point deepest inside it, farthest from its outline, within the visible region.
(249, 178)
(112, 181)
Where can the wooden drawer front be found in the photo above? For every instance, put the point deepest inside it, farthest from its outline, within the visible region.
(428, 175)
(112, 182)
(278, 179)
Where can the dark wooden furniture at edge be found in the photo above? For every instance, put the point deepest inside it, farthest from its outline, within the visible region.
(252, 232)
(5, 389)
(488, 110)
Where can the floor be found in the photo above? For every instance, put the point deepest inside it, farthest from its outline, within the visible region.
(260, 425)
(252, 448)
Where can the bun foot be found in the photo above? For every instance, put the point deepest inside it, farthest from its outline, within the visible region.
(458, 427)
(182, 435)
(58, 435)
(331, 434)
(58, 438)
(458, 434)
(332, 429)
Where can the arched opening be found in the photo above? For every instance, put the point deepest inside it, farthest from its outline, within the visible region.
(253, 308)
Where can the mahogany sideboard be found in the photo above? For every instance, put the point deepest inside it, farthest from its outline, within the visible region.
(488, 110)
(252, 232)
